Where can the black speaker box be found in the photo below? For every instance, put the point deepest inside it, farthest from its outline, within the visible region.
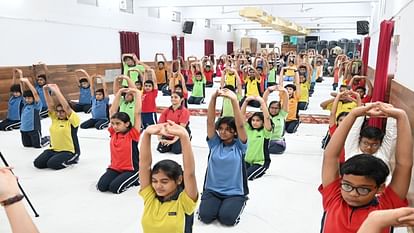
(188, 27)
(362, 27)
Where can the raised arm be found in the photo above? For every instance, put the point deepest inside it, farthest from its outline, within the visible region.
(60, 98)
(151, 72)
(104, 87)
(332, 116)
(238, 117)
(324, 104)
(211, 115)
(145, 155)
(49, 100)
(267, 120)
(297, 84)
(401, 176)
(284, 98)
(137, 110)
(18, 72)
(189, 177)
(115, 104)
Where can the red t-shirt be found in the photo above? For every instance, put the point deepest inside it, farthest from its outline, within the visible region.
(209, 76)
(340, 217)
(366, 99)
(179, 116)
(124, 150)
(148, 101)
(361, 83)
(342, 155)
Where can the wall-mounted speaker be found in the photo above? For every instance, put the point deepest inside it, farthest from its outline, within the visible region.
(188, 27)
(362, 27)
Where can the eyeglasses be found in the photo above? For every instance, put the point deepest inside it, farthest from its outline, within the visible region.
(60, 111)
(362, 191)
(371, 145)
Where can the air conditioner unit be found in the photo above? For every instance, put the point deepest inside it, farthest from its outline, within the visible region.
(123, 4)
(176, 16)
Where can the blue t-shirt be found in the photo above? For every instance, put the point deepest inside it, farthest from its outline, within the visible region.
(226, 173)
(15, 108)
(85, 95)
(41, 94)
(100, 108)
(30, 116)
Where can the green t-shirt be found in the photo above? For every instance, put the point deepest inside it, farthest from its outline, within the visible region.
(278, 125)
(128, 108)
(198, 86)
(133, 74)
(256, 142)
(271, 78)
(227, 108)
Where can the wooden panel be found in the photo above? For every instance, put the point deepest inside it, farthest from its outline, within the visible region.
(401, 97)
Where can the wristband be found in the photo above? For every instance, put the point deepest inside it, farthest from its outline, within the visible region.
(12, 200)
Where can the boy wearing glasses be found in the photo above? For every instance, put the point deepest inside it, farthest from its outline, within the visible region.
(352, 191)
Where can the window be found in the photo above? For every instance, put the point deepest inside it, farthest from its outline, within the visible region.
(127, 6)
(88, 2)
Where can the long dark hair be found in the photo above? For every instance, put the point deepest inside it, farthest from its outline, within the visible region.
(171, 169)
(261, 117)
(124, 118)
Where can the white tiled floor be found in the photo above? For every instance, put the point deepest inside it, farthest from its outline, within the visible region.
(285, 200)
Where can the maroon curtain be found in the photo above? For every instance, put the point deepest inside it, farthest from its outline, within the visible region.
(181, 47)
(208, 47)
(381, 72)
(129, 42)
(365, 55)
(230, 46)
(174, 47)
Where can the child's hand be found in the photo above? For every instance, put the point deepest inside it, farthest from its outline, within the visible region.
(8, 184)
(171, 128)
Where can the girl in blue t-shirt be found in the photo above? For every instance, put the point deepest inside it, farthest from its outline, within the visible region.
(224, 193)
(259, 129)
(100, 102)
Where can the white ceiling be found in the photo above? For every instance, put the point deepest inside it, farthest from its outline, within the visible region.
(316, 15)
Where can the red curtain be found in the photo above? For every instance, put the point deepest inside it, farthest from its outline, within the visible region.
(181, 47)
(174, 47)
(365, 55)
(230, 46)
(381, 73)
(208, 47)
(129, 42)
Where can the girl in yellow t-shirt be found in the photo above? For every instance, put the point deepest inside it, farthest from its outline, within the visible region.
(168, 203)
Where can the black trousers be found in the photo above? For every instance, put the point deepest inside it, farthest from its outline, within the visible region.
(86, 108)
(55, 160)
(117, 182)
(291, 126)
(97, 123)
(31, 138)
(7, 124)
(226, 209)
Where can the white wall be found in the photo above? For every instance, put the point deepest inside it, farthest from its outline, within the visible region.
(65, 32)
(401, 55)
(336, 35)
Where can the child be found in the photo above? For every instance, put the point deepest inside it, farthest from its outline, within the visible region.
(304, 92)
(346, 103)
(362, 90)
(227, 108)
(64, 147)
(149, 108)
(199, 85)
(224, 193)
(178, 114)
(289, 71)
(208, 72)
(124, 99)
(258, 129)
(278, 111)
(272, 74)
(294, 92)
(252, 82)
(85, 98)
(30, 118)
(99, 110)
(167, 189)
(352, 191)
(41, 80)
(15, 105)
(161, 71)
(130, 61)
(122, 173)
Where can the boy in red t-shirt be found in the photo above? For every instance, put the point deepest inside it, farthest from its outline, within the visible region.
(352, 191)
(149, 95)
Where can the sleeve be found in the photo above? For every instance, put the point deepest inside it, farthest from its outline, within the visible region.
(52, 115)
(283, 113)
(111, 130)
(148, 194)
(332, 130)
(134, 134)
(329, 106)
(214, 141)
(267, 133)
(106, 99)
(38, 105)
(242, 146)
(185, 117)
(74, 119)
(163, 117)
(390, 200)
(155, 91)
(352, 140)
(387, 149)
(330, 193)
(187, 203)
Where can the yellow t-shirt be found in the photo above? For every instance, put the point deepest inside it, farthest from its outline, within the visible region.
(304, 92)
(230, 80)
(252, 87)
(293, 107)
(63, 133)
(161, 75)
(342, 107)
(169, 216)
(290, 71)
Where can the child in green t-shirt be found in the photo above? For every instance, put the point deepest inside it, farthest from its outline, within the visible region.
(258, 129)
(198, 92)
